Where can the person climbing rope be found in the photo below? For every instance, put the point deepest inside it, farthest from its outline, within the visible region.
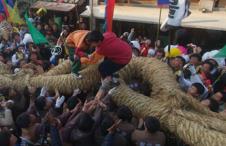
(116, 53)
(77, 45)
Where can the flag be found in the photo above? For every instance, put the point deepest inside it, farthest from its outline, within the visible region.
(10, 3)
(163, 2)
(37, 36)
(58, 21)
(3, 6)
(178, 10)
(5, 10)
(222, 53)
(109, 13)
(14, 16)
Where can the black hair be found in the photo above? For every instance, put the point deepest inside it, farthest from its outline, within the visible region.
(212, 61)
(94, 36)
(85, 122)
(214, 105)
(152, 124)
(72, 102)
(199, 88)
(106, 123)
(182, 59)
(187, 73)
(124, 113)
(14, 34)
(5, 138)
(210, 64)
(82, 96)
(40, 103)
(195, 55)
(27, 44)
(46, 65)
(23, 120)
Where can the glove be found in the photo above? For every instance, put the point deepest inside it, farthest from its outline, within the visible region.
(59, 101)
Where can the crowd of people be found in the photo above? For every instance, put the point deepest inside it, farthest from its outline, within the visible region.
(198, 73)
(38, 116)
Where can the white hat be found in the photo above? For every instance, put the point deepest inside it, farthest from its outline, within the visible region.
(136, 44)
(16, 70)
(211, 54)
(27, 38)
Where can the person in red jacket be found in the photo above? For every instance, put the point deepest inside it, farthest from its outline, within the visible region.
(117, 54)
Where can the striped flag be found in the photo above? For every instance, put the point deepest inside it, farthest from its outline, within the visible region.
(3, 3)
(10, 3)
(163, 2)
(109, 13)
(14, 16)
(3, 6)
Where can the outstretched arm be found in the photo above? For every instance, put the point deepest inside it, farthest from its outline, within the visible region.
(92, 59)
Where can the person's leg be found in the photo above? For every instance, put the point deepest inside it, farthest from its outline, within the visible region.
(75, 62)
(75, 66)
(107, 68)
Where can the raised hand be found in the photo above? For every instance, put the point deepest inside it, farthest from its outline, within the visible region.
(89, 106)
(114, 127)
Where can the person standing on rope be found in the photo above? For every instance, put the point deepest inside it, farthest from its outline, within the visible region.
(117, 54)
(77, 45)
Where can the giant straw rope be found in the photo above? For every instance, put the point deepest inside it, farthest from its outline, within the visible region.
(178, 112)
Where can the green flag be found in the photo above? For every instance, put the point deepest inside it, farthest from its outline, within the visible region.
(222, 53)
(37, 36)
(58, 21)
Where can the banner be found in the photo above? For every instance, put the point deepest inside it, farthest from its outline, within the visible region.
(5, 10)
(10, 3)
(37, 36)
(109, 13)
(14, 16)
(178, 10)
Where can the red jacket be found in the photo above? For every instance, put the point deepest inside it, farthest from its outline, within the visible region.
(115, 49)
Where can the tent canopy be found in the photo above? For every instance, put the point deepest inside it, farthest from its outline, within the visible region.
(54, 6)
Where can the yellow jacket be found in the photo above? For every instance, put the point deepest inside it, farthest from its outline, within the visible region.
(76, 39)
(93, 59)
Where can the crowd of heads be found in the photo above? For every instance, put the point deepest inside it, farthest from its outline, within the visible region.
(198, 72)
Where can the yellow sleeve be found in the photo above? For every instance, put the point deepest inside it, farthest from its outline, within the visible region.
(93, 59)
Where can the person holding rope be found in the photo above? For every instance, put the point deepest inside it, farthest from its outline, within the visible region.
(116, 53)
(77, 45)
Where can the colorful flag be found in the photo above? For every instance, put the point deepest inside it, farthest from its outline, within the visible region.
(10, 3)
(3, 2)
(163, 2)
(37, 36)
(222, 53)
(14, 16)
(1, 7)
(109, 13)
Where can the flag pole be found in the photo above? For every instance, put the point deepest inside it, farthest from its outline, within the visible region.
(169, 40)
(159, 23)
(91, 15)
